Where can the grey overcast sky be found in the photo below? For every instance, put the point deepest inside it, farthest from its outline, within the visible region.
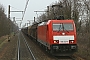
(33, 5)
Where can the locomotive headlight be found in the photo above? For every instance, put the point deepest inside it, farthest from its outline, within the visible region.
(71, 41)
(56, 41)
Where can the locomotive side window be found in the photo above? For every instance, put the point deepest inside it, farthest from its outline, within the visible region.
(62, 26)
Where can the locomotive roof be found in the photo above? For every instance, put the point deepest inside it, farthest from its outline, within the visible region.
(56, 21)
(62, 20)
(43, 23)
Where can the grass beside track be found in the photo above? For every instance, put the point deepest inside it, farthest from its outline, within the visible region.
(84, 46)
(3, 40)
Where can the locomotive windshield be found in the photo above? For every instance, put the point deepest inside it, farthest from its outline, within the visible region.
(62, 26)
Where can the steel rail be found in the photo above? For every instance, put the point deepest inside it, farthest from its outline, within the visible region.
(18, 54)
(29, 48)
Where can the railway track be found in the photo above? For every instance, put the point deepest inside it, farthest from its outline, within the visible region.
(44, 54)
(24, 51)
(19, 44)
(64, 58)
(40, 54)
(73, 57)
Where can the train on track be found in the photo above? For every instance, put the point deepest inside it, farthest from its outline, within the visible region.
(57, 36)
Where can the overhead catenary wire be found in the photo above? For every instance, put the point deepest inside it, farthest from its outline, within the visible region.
(24, 11)
(14, 7)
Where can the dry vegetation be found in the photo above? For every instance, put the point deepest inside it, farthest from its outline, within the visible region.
(6, 25)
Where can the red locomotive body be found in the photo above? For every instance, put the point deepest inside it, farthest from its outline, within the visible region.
(58, 36)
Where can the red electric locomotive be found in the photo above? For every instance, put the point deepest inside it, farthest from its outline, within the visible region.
(58, 36)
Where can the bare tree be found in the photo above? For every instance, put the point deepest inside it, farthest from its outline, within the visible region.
(4, 27)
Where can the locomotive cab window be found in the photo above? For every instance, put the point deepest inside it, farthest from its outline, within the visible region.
(57, 27)
(68, 26)
(62, 26)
